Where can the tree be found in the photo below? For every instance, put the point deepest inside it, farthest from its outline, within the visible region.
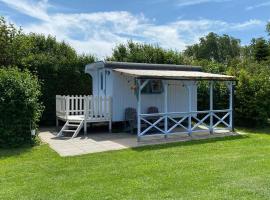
(215, 48)
(145, 53)
(268, 28)
(56, 64)
(260, 49)
(8, 43)
(59, 67)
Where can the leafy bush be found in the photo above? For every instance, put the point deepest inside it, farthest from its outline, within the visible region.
(19, 106)
(252, 103)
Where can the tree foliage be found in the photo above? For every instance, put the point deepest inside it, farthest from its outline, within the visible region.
(145, 53)
(268, 28)
(215, 48)
(55, 63)
(260, 49)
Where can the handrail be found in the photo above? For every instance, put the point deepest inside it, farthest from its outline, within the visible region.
(185, 113)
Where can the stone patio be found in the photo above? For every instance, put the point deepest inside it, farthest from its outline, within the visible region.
(100, 142)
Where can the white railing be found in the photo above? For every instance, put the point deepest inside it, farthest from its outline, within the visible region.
(189, 122)
(98, 107)
(91, 107)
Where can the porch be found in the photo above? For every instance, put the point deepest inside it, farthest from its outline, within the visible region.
(190, 121)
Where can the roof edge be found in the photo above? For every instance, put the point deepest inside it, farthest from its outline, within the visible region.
(145, 66)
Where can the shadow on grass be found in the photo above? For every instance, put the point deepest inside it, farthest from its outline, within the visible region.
(17, 151)
(189, 143)
(255, 130)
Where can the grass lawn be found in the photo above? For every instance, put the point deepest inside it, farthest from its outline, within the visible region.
(225, 168)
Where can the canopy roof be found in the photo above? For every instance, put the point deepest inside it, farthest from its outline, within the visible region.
(173, 74)
(158, 71)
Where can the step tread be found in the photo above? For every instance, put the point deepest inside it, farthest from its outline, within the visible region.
(69, 131)
(74, 125)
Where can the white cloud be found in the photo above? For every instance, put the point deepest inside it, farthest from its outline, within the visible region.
(36, 10)
(264, 4)
(97, 33)
(183, 3)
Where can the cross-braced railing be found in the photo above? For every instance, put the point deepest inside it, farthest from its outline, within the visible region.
(191, 121)
(185, 122)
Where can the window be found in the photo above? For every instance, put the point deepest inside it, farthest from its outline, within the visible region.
(153, 87)
(101, 80)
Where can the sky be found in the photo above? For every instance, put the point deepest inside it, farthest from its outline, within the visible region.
(96, 26)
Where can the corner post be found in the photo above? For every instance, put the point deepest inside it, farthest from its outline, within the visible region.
(165, 84)
(189, 110)
(211, 107)
(138, 109)
(231, 88)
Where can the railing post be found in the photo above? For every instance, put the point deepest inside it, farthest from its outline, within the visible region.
(211, 107)
(67, 106)
(165, 84)
(189, 110)
(86, 113)
(57, 109)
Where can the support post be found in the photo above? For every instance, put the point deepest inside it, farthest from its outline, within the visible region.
(86, 113)
(138, 109)
(189, 109)
(231, 87)
(110, 126)
(165, 84)
(211, 107)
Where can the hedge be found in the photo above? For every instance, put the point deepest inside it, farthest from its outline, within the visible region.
(20, 107)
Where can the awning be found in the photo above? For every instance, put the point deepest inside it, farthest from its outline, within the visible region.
(171, 74)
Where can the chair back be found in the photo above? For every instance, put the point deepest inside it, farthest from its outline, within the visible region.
(152, 109)
(130, 114)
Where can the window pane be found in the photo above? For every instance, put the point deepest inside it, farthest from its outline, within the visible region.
(153, 87)
(101, 81)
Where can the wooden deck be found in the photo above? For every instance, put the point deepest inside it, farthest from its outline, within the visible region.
(77, 111)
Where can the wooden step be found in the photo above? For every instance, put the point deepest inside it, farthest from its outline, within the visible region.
(73, 125)
(74, 122)
(72, 131)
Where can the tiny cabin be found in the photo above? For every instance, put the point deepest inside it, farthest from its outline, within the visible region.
(155, 96)
(108, 79)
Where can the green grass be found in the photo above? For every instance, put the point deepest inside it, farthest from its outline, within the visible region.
(225, 168)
